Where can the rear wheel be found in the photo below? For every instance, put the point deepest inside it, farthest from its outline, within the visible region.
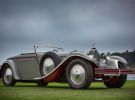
(79, 74)
(116, 81)
(7, 76)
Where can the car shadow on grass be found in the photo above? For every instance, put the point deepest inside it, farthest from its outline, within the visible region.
(22, 85)
(61, 87)
(55, 87)
(67, 87)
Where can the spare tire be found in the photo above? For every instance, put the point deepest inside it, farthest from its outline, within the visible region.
(49, 62)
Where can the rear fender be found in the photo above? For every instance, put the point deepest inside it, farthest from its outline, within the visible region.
(13, 67)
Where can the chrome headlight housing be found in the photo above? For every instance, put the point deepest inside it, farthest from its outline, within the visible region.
(91, 56)
(108, 58)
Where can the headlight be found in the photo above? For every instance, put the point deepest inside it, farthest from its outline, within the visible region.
(91, 56)
(108, 57)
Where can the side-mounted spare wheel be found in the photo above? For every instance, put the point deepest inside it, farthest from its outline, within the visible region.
(7, 76)
(49, 62)
(116, 81)
(79, 74)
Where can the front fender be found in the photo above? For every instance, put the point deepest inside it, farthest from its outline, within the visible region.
(119, 59)
(13, 67)
(59, 70)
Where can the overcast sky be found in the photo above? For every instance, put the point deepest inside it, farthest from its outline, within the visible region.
(71, 24)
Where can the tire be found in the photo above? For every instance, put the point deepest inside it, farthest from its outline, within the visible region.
(79, 74)
(116, 81)
(42, 83)
(7, 76)
(53, 59)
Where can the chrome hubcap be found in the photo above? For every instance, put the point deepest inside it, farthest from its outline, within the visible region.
(48, 65)
(8, 75)
(77, 74)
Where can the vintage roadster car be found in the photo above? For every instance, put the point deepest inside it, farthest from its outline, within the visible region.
(77, 68)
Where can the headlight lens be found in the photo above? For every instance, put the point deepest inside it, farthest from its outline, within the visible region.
(108, 57)
(91, 56)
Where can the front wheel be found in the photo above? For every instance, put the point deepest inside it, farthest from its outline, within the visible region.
(116, 81)
(79, 74)
(7, 76)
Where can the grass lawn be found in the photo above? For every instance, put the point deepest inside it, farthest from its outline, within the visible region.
(60, 91)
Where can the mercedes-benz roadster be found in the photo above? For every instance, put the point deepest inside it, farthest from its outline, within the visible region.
(78, 69)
